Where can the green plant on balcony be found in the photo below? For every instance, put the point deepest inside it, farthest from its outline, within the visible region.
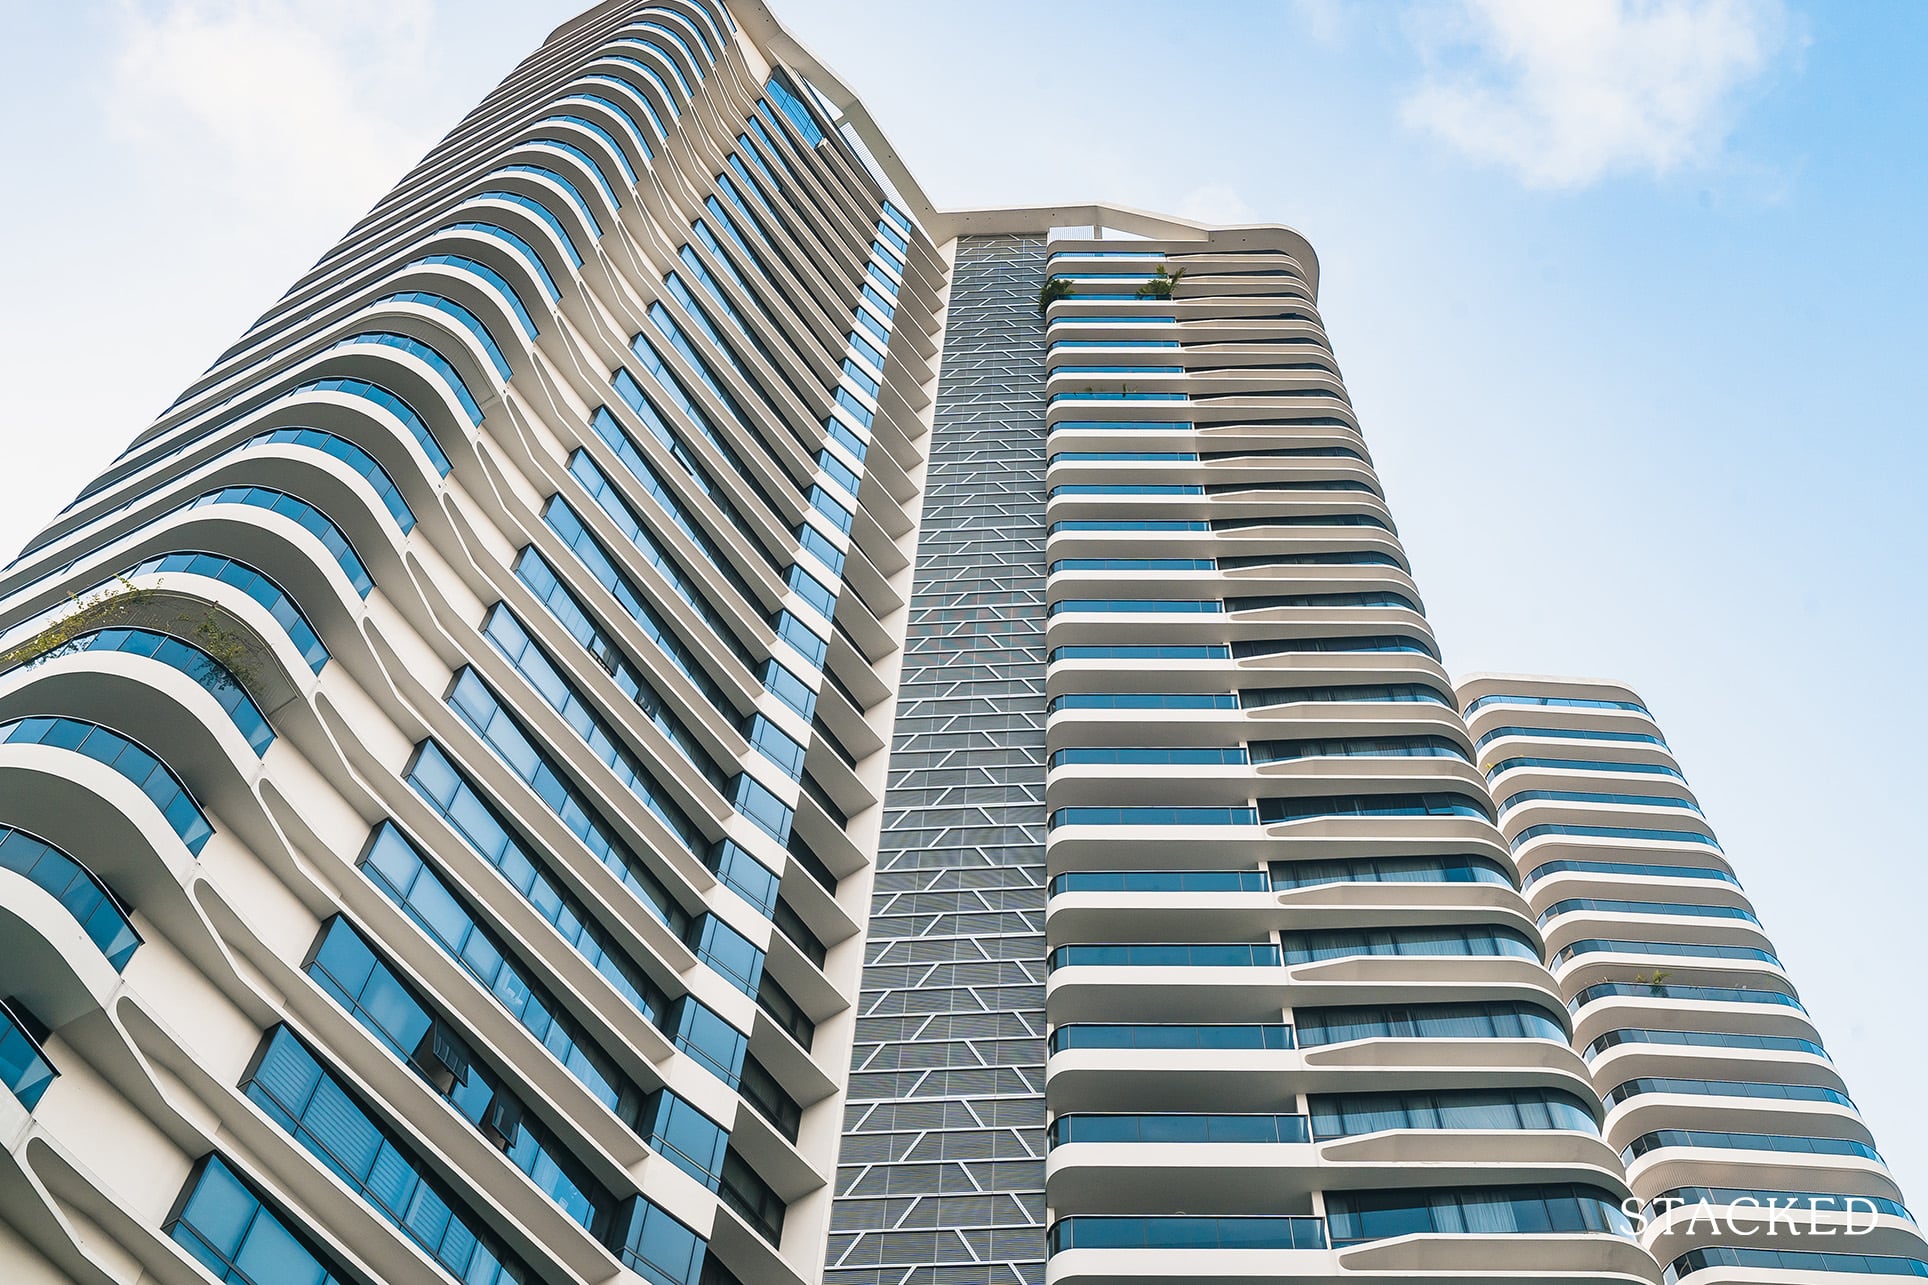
(1055, 289)
(228, 649)
(121, 602)
(106, 606)
(1162, 285)
(1657, 983)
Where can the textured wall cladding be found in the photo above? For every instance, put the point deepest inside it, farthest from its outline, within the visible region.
(941, 1180)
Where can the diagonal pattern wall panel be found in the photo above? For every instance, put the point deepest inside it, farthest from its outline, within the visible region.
(942, 1173)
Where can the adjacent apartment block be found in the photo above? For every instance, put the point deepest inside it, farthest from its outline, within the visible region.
(674, 713)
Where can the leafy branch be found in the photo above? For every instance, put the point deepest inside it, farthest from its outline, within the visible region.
(106, 606)
(122, 602)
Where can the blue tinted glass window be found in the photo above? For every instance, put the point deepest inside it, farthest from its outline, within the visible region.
(789, 689)
(657, 1247)
(255, 584)
(441, 365)
(232, 1233)
(702, 1032)
(83, 896)
(823, 502)
(345, 966)
(603, 184)
(730, 953)
(479, 707)
(289, 1083)
(563, 521)
(510, 296)
(794, 108)
(544, 213)
(535, 572)
(584, 470)
(767, 812)
(582, 122)
(306, 515)
(464, 318)
(805, 639)
(813, 591)
(574, 193)
(635, 131)
(524, 251)
(342, 449)
(149, 774)
(513, 641)
(649, 74)
(214, 677)
(687, 1138)
(394, 866)
(649, 108)
(748, 877)
(675, 66)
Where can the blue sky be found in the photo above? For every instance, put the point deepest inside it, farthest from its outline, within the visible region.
(1628, 296)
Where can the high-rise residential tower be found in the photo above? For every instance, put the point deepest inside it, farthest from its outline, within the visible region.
(673, 712)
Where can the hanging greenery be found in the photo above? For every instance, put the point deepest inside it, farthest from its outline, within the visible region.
(122, 602)
(98, 610)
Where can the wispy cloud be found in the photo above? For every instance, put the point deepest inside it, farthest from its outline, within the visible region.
(1565, 93)
(276, 101)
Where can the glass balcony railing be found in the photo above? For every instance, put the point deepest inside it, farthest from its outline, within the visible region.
(1791, 1260)
(23, 1067)
(1143, 319)
(1151, 816)
(80, 893)
(1161, 881)
(1137, 606)
(1668, 990)
(1635, 868)
(1122, 426)
(1177, 755)
(1132, 564)
(1775, 1142)
(1662, 950)
(1168, 955)
(1604, 905)
(1706, 1039)
(1179, 1231)
(1553, 702)
(1112, 343)
(1119, 396)
(1217, 1036)
(1117, 370)
(1143, 700)
(1635, 834)
(1150, 651)
(1728, 1089)
(1744, 1199)
(1179, 1128)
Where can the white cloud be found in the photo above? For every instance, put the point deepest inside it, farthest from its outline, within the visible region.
(276, 100)
(1566, 92)
(1216, 203)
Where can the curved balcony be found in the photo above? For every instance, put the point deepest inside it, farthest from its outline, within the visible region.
(24, 1069)
(1090, 1249)
(1728, 1265)
(78, 890)
(146, 771)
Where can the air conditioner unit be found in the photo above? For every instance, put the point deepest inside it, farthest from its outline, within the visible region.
(501, 1121)
(441, 1059)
